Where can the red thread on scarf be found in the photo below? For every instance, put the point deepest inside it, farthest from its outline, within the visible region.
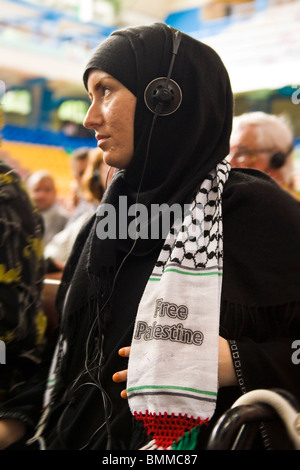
(167, 429)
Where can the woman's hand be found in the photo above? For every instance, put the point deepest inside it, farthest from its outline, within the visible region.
(121, 376)
(226, 373)
(11, 431)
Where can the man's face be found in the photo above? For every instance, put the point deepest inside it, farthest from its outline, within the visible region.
(245, 151)
(43, 193)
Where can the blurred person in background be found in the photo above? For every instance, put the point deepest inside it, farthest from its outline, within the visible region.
(79, 162)
(22, 320)
(84, 200)
(264, 142)
(91, 187)
(42, 189)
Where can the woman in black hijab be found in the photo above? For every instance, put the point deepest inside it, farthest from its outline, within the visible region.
(175, 140)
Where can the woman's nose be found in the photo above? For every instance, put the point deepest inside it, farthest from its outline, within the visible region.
(92, 118)
(87, 120)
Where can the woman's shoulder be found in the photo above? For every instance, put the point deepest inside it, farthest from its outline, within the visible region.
(250, 179)
(261, 240)
(256, 208)
(250, 186)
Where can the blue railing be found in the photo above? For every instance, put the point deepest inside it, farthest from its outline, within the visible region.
(45, 137)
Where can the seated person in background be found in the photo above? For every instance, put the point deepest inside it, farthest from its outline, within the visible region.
(95, 178)
(79, 162)
(265, 142)
(22, 321)
(41, 186)
(92, 187)
(86, 200)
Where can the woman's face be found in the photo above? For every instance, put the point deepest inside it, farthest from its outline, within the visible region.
(111, 115)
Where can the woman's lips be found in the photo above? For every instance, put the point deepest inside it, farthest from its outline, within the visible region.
(101, 139)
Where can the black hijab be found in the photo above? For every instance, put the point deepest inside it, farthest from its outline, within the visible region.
(183, 148)
(186, 145)
(172, 154)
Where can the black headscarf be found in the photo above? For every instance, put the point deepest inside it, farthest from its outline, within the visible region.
(183, 147)
(186, 145)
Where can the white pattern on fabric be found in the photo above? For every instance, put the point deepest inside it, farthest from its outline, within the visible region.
(173, 362)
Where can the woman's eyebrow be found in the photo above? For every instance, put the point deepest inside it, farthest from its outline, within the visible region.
(95, 88)
(98, 84)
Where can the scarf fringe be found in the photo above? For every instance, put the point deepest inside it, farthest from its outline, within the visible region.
(170, 432)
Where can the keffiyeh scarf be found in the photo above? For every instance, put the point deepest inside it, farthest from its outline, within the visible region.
(173, 366)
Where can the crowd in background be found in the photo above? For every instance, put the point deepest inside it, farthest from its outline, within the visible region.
(258, 141)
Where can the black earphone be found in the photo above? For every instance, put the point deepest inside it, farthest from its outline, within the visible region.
(163, 95)
(278, 159)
